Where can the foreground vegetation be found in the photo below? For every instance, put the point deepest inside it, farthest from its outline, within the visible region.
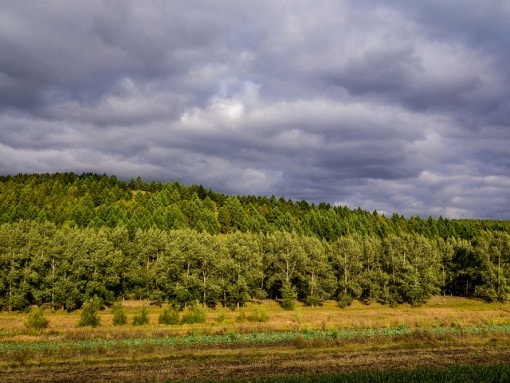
(457, 374)
(262, 341)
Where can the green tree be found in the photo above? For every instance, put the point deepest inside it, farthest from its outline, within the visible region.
(489, 266)
(148, 247)
(194, 314)
(181, 283)
(119, 314)
(36, 319)
(318, 282)
(285, 259)
(446, 250)
(247, 276)
(413, 266)
(374, 279)
(208, 255)
(169, 316)
(190, 270)
(201, 215)
(141, 318)
(346, 256)
(464, 270)
(89, 313)
(289, 295)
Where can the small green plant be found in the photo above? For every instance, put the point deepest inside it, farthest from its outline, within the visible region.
(289, 296)
(242, 317)
(194, 314)
(169, 316)
(222, 318)
(119, 315)
(89, 313)
(141, 318)
(344, 300)
(36, 319)
(258, 314)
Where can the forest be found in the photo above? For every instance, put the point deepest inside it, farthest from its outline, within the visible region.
(66, 238)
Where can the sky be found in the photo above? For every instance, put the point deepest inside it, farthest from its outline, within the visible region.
(396, 106)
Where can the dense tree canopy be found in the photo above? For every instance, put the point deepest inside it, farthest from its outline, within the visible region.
(65, 239)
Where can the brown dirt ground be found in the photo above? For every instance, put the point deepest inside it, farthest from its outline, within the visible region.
(232, 364)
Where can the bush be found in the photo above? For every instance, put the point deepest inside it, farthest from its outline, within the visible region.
(258, 314)
(36, 319)
(195, 314)
(289, 296)
(242, 317)
(156, 298)
(344, 300)
(222, 318)
(141, 318)
(119, 316)
(169, 316)
(89, 316)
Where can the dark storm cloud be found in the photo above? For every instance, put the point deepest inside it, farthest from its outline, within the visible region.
(393, 106)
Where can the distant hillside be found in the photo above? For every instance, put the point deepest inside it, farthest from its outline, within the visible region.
(92, 200)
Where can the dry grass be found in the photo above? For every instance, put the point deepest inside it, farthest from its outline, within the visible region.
(196, 365)
(440, 311)
(421, 347)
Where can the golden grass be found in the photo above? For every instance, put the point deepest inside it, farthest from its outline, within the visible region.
(217, 363)
(439, 311)
(146, 362)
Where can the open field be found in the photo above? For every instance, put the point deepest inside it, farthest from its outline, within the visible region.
(445, 332)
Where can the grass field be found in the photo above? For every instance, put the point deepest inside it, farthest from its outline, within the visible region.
(318, 342)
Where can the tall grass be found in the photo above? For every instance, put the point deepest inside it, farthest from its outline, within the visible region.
(298, 337)
(440, 312)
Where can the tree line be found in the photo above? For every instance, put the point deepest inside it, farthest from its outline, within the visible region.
(64, 266)
(66, 238)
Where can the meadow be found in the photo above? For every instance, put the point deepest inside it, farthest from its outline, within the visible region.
(262, 341)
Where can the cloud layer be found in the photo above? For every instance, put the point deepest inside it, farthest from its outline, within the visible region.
(391, 106)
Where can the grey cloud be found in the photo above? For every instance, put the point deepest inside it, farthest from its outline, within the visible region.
(394, 106)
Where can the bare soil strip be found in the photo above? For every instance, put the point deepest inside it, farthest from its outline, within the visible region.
(232, 364)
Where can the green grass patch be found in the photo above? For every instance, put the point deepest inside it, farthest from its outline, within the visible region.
(454, 374)
(250, 338)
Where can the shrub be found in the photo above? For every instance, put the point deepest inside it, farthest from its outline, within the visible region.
(222, 318)
(89, 316)
(313, 300)
(36, 319)
(258, 314)
(169, 316)
(242, 317)
(195, 314)
(141, 318)
(344, 300)
(156, 298)
(289, 295)
(119, 316)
